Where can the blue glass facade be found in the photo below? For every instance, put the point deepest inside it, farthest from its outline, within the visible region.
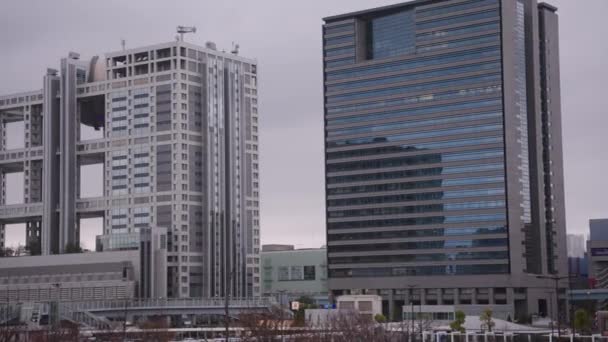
(415, 143)
(391, 35)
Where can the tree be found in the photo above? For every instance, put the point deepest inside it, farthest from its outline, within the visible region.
(582, 320)
(34, 247)
(487, 323)
(71, 248)
(299, 316)
(380, 318)
(457, 324)
(6, 252)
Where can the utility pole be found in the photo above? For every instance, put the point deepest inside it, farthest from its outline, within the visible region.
(226, 303)
(413, 321)
(551, 312)
(281, 295)
(124, 322)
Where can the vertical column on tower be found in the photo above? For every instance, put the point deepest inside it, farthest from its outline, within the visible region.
(68, 233)
(50, 163)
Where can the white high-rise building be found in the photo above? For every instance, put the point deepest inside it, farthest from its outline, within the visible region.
(179, 150)
(576, 245)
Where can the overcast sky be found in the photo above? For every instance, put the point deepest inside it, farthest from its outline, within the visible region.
(285, 37)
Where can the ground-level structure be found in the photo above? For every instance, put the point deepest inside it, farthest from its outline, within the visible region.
(290, 273)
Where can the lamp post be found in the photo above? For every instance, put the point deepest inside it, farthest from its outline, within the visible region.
(556, 279)
(56, 314)
(411, 295)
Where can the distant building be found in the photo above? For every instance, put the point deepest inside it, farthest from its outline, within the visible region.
(597, 253)
(578, 270)
(367, 305)
(290, 273)
(134, 268)
(576, 245)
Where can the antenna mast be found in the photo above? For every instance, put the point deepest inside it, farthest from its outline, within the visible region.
(185, 29)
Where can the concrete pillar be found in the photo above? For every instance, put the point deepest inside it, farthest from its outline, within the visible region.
(2, 187)
(27, 127)
(439, 296)
(422, 296)
(474, 296)
(27, 181)
(456, 296)
(67, 146)
(2, 133)
(2, 234)
(50, 164)
(391, 304)
(491, 295)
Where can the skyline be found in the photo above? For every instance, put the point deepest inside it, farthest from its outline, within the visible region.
(280, 195)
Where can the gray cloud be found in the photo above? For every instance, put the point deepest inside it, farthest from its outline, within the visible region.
(285, 37)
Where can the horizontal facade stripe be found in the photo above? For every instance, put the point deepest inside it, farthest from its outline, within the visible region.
(416, 70)
(415, 114)
(435, 166)
(421, 59)
(465, 97)
(355, 253)
(458, 13)
(403, 228)
(426, 80)
(417, 215)
(438, 151)
(497, 172)
(422, 263)
(415, 203)
(386, 109)
(418, 190)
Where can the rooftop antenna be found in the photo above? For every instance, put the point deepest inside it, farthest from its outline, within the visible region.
(123, 43)
(185, 29)
(235, 49)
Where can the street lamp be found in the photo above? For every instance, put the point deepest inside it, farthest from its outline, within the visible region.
(411, 295)
(556, 279)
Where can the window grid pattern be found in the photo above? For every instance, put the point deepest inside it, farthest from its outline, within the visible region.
(415, 147)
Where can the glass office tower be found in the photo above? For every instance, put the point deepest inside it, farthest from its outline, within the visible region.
(443, 155)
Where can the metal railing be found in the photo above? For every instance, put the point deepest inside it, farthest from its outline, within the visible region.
(168, 303)
(17, 210)
(91, 203)
(85, 318)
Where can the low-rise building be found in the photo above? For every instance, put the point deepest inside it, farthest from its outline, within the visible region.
(132, 267)
(366, 305)
(290, 273)
(597, 253)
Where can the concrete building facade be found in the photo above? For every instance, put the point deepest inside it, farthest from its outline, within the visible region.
(179, 150)
(289, 273)
(444, 178)
(576, 245)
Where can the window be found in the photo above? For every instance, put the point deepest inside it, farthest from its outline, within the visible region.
(309, 272)
(391, 35)
(365, 305)
(297, 273)
(283, 273)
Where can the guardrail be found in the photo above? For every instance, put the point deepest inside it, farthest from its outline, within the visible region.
(168, 303)
(90, 203)
(19, 210)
